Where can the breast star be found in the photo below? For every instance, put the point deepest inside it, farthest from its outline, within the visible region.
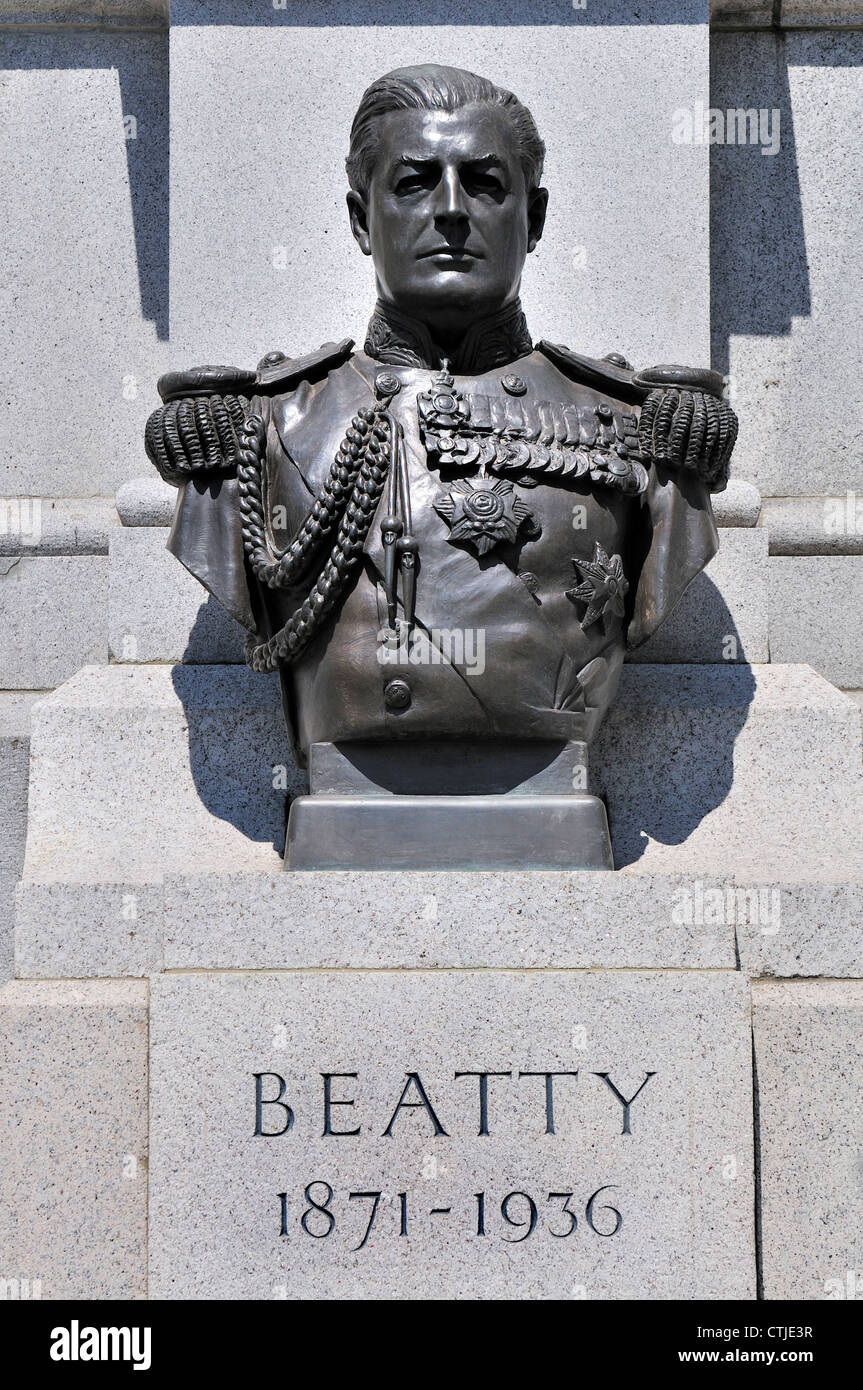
(603, 586)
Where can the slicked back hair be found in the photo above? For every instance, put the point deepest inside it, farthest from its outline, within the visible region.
(433, 88)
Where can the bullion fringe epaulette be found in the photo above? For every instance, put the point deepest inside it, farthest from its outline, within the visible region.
(197, 427)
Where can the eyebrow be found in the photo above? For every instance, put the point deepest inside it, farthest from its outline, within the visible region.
(485, 161)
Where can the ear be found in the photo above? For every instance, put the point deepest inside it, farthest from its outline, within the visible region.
(358, 213)
(537, 205)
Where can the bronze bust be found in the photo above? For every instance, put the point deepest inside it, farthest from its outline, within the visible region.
(445, 542)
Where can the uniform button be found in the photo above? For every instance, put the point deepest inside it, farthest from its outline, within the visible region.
(515, 385)
(397, 695)
(387, 384)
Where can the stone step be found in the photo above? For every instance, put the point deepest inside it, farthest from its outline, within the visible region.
(446, 919)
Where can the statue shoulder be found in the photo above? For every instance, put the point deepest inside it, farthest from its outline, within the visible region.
(275, 374)
(195, 430)
(684, 422)
(614, 376)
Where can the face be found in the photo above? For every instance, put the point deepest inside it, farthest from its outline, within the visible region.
(448, 219)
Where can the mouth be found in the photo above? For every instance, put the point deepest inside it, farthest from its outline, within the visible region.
(454, 254)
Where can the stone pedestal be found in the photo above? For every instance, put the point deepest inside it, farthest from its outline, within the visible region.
(495, 804)
(370, 1135)
(443, 1015)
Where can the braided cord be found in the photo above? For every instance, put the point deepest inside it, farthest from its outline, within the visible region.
(349, 496)
(284, 568)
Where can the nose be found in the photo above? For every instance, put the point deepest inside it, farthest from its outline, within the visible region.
(450, 209)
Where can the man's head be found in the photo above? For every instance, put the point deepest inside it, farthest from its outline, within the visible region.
(444, 169)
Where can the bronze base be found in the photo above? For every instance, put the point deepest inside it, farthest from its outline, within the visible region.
(448, 832)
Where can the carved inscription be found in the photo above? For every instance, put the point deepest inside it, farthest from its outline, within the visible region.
(320, 1209)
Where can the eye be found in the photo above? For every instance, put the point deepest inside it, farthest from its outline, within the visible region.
(414, 182)
(483, 181)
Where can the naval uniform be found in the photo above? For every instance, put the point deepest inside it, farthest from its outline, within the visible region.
(546, 509)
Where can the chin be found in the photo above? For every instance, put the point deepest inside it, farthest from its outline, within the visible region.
(455, 292)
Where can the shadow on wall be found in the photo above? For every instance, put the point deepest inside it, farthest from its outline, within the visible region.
(758, 261)
(759, 277)
(238, 749)
(664, 757)
(141, 63)
(215, 637)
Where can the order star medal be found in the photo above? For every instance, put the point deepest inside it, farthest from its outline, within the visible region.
(482, 513)
(603, 588)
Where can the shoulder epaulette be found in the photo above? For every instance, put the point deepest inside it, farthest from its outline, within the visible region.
(683, 378)
(205, 381)
(275, 373)
(614, 376)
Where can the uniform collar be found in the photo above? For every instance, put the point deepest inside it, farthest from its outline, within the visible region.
(401, 341)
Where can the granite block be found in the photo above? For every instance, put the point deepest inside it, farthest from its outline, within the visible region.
(158, 611)
(808, 1078)
(816, 614)
(52, 618)
(73, 1138)
(87, 930)
(147, 770)
(141, 771)
(786, 929)
(520, 921)
(673, 1217)
(752, 772)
